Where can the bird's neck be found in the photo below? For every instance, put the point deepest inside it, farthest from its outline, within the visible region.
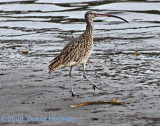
(90, 27)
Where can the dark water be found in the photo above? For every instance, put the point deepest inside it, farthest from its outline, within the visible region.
(45, 25)
(34, 31)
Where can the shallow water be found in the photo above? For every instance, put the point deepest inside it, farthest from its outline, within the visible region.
(32, 32)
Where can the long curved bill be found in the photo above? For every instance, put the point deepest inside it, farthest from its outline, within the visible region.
(108, 15)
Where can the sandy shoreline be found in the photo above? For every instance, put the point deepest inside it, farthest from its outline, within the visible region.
(33, 32)
(28, 91)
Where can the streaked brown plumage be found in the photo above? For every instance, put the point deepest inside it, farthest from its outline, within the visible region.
(78, 50)
(74, 53)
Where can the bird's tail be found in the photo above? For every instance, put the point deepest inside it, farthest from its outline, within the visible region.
(54, 64)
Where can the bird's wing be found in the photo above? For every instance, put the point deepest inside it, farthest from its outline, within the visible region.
(72, 52)
(67, 54)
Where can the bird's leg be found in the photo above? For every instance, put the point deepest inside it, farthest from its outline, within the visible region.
(70, 76)
(85, 76)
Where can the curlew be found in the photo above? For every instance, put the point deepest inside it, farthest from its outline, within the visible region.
(78, 50)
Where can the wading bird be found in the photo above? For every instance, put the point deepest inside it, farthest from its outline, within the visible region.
(78, 50)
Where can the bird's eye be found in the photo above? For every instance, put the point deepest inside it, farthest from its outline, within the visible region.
(91, 13)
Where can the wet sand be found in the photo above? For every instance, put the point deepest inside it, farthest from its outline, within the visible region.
(125, 63)
(28, 91)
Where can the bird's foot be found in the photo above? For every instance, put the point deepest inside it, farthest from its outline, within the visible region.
(74, 94)
(95, 86)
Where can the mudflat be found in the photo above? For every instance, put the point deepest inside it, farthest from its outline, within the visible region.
(30, 96)
(125, 63)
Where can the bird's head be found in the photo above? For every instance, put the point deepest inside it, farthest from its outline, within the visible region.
(90, 15)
